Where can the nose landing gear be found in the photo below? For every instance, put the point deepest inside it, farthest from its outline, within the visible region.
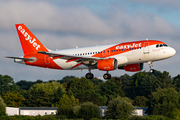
(150, 65)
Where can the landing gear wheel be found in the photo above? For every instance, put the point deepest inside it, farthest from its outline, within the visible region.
(89, 76)
(107, 76)
(150, 65)
(151, 71)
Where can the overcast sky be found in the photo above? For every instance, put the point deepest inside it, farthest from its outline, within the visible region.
(61, 24)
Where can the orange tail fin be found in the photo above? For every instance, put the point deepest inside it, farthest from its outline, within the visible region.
(30, 44)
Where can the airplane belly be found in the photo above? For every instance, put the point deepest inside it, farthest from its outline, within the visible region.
(69, 65)
(62, 63)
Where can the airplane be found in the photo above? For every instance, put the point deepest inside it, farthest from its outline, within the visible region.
(128, 56)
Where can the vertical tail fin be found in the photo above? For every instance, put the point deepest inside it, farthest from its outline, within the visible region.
(30, 44)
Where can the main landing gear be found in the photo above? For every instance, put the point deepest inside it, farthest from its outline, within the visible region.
(91, 76)
(150, 65)
(107, 76)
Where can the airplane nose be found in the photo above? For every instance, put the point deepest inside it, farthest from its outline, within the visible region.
(172, 51)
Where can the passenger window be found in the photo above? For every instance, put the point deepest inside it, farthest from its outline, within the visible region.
(111, 50)
(161, 45)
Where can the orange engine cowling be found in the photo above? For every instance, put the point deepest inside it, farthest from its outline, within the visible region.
(107, 64)
(133, 67)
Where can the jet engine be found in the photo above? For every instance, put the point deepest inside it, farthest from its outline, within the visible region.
(132, 67)
(107, 64)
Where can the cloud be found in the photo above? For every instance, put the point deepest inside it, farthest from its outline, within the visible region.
(164, 4)
(45, 16)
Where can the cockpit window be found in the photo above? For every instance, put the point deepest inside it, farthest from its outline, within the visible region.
(161, 45)
(165, 45)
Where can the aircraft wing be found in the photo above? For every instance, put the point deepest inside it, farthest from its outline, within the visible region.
(70, 57)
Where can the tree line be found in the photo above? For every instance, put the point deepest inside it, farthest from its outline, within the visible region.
(73, 96)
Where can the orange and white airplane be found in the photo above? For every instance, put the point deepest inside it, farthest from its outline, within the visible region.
(129, 56)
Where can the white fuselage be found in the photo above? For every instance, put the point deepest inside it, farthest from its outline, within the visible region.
(141, 55)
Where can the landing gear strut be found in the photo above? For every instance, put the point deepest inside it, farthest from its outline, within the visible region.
(107, 76)
(150, 65)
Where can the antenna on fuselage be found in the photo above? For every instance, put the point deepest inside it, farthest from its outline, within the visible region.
(147, 39)
(76, 46)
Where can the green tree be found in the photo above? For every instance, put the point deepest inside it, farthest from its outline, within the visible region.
(13, 99)
(176, 82)
(66, 79)
(84, 90)
(58, 93)
(2, 107)
(163, 102)
(165, 80)
(66, 105)
(7, 84)
(25, 85)
(119, 109)
(87, 111)
(111, 89)
(141, 84)
(140, 101)
(43, 94)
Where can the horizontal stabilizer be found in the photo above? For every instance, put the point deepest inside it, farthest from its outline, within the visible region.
(26, 59)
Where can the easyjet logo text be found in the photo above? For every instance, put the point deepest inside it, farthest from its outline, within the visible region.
(133, 45)
(29, 38)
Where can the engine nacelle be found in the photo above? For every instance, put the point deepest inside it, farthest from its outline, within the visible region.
(107, 64)
(133, 67)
